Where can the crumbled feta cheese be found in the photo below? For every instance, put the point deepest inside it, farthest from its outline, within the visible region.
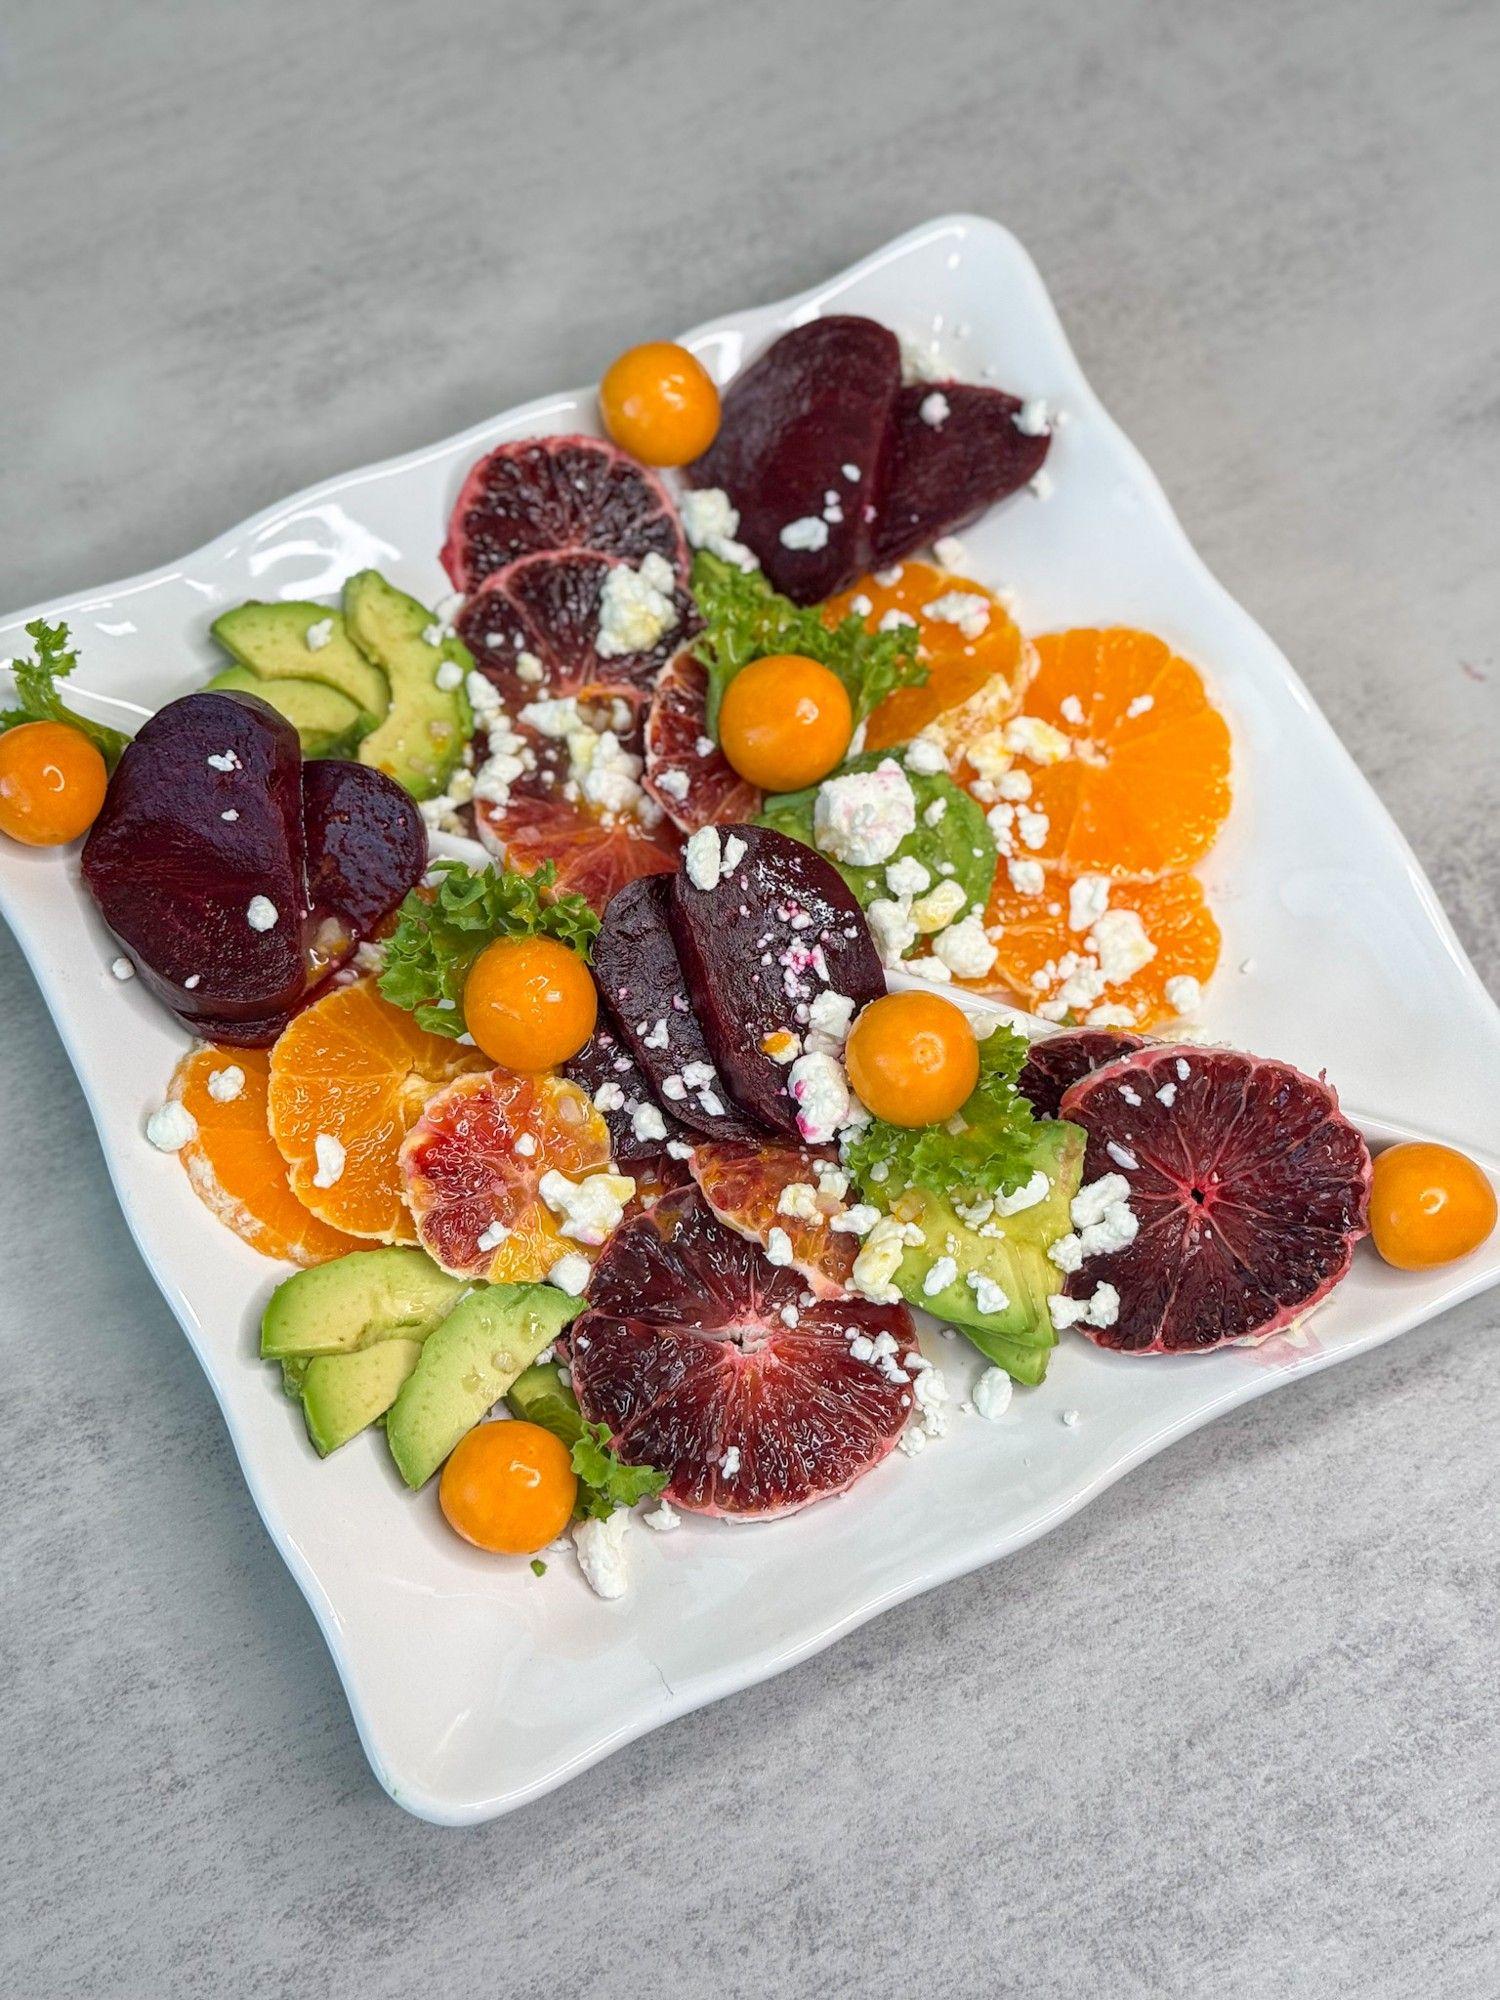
(939, 1277)
(591, 1209)
(856, 1221)
(711, 522)
(1040, 485)
(636, 607)
(966, 609)
(879, 1259)
(1120, 943)
(1070, 1419)
(933, 409)
(1026, 877)
(663, 1517)
(1096, 1198)
(448, 676)
(600, 1546)
(1035, 1190)
(261, 914)
(1184, 994)
(223, 760)
(950, 552)
(529, 669)
(646, 1122)
(318, 634)
(570, 1273)
(934, 812)
(1028, 736)
(1110, 1015)
(989, 755)
(225, 1085)
(674, 783)
(491, 1236)
(799, 1199)
(863, 818)
(828, 1019)
(891, 927)
(781, 1045)
(729, 1464)
(1142, 705)
(965, 949)
(808, 533)
(1014, 786)
(928, 967)
(171, 1126)
(939, 907)
(704, 858)
(992, 1394)
(988, 1296)
(123, 968)
(926, 756)
(1121, 1155)
(1088, 899)
(817, 1085)
(733, 855)
(330, 1156)
(778, 1246)
(907, 877)
(1167, 1095)
(1031, 419)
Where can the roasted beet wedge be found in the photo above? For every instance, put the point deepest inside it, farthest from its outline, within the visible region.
(946, 467)
(558, 493)
(203, 816)
(534, 629)
(780, 928)
(366, 844)
(637, 969)
(604, 1061)
(804, 438)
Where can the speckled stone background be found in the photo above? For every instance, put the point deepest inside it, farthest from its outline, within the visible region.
(1233, 1731)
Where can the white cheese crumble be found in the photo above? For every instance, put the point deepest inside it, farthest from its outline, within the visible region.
(1026, 877)
(989, 1297)
(330, 1156)
(817, 1085)
(646, 1122)
(729, 1464)
(907, 877)
(225, 1085)
(950, 552)
(965, 949)
(810, 532)
(941, 1275)
(704, 858)
(591, 1209)
(600, 1547)
(1101, 1309)
(1029, 736)
(891, 927)
(1032, 418)
(856, 1221)
(1088, 899)
(1120, 943)
(123, 968)
(570, 1273)
(1184, 994)
(675, 784)
(934, 410)
(863, 818)
(711, 522)
(318, 634)
(926, 756)
(966, 609)
(223, 760)
(261, 914)
(171, 1127)
(778, 1246)
(663, 1517)
(992, 1394)
(880, 1258)
(448, 676)
(828, 1019)
(491, 1236)
(636, 607)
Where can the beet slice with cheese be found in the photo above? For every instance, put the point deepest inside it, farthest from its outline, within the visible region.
(775, 929)
(558, 493)
(955, 450)
(802, 449)
(365, 841)
(605, 1068)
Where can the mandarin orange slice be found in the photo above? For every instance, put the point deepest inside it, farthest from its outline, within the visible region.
(472, 1166)
(1080, 947)
(975, 651)
(1139, 785)
(232, 1161)
(355, 1071)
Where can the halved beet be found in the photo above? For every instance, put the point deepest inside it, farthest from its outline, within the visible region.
(558, 493)
(604, 1060)
(203, 815)
(641, 980)
(781, 927)
(943, 473)
(1249, 1188)
(533, 629)
(687, 773)
(704, 1359)
(804, 437)
(1056, 1062)
(366, 844)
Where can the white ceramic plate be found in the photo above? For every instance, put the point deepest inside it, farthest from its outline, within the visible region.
(474, 1687)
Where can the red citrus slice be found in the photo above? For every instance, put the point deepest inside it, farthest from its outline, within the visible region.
(1056, 1062)
(703, 1359)
(473, 1162)
(746, 1187)
(1248, 1186)
(686, 772)
(594, 856)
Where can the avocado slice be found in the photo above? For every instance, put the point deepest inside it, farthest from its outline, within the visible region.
(422, 738)
(467, 1366)
(356, 1301)
(1018, 1338)
(342, 1393)
(539, 1396)
(271, 639)
(325, 720)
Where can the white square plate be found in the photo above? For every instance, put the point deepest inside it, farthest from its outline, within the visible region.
(474, 1687)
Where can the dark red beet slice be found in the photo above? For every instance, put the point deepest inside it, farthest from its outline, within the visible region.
(778, 930)
(686, 773)
(1058, 1061)
(174, 878)
(604, 1060)
(701, 1359)
(817, 402)
(547, 607)
(558, 493)
(366, 845)
(1249, 1187)
(638, 973)
(941, 476)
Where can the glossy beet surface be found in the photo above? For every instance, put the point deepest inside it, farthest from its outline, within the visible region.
(1249, 1187)
(604, 1061)
(686, 1354)
(940, 476)
(558, 493)
(365, 841)
(779, 929)
(809, 419)
(1056, 1062)
(641, 982)
(686, 772)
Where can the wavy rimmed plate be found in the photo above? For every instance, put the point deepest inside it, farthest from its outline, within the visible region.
(473, 1686)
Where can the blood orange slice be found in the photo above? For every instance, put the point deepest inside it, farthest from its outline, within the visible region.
(594, 856)
(686, 772)
(746, 1186)
(1249, 1188)
(472, 1164)
(558, 493)
(706, 1361)
(1056, 1062)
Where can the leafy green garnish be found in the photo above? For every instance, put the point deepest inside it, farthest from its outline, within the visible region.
(985, 1150)
(746, 619)
(36, 691)
(443, 928)
(538, 1567)
(961, 839)
(604, 1480)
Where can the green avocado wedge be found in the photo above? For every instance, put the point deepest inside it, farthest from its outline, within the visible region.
(344, 1393)
(271, 639)
(422, 737)
(326, 721)
(355, 1302)
(467, 1366)
(540, 1396)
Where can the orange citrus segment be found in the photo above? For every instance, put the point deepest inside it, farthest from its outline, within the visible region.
(1079, 947)
(983, 653)
(354, 1070)
(1127, 758)
(473, 1164)
(233, 1164)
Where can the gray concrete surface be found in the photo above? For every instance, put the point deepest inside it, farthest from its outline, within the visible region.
(1232, 1732)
